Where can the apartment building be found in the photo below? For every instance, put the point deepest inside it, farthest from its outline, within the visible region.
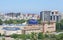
(45, 15)
(18, 16)
(29, 16)
(50, 16)
(55, 15)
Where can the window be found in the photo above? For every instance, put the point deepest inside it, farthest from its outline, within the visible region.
(52, 12)
(50, 17)
(54, 17)
(57, 18)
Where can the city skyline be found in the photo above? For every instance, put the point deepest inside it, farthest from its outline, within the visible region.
(30, 6)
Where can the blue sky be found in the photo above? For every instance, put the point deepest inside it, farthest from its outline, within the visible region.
(30, 6)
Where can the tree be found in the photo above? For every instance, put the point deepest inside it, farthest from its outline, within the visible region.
(60, 36)
(34, 36)
(1, 22)
(22, 36)
(39, 21)
(61, 23)
(18, 21)
(22, 21)
(40, 35)
(3, 35)
(8, 21)
(57, 37)
(28, 36)
(15, 22)
(3, 38)
(0, 34)
(52, 36)
(57, 26)
(14, 36)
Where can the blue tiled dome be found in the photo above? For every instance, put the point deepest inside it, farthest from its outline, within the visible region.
(32, 21)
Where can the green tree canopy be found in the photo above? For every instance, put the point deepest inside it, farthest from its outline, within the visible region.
(14, 36)
(40, 35)
(1, 22)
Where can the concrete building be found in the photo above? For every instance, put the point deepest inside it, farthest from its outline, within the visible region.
(45, 15)
(49, 27)
(19, 16)
(55, 15)
(45, 27)
(32, 28)
(28, 29)
(50, 16)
